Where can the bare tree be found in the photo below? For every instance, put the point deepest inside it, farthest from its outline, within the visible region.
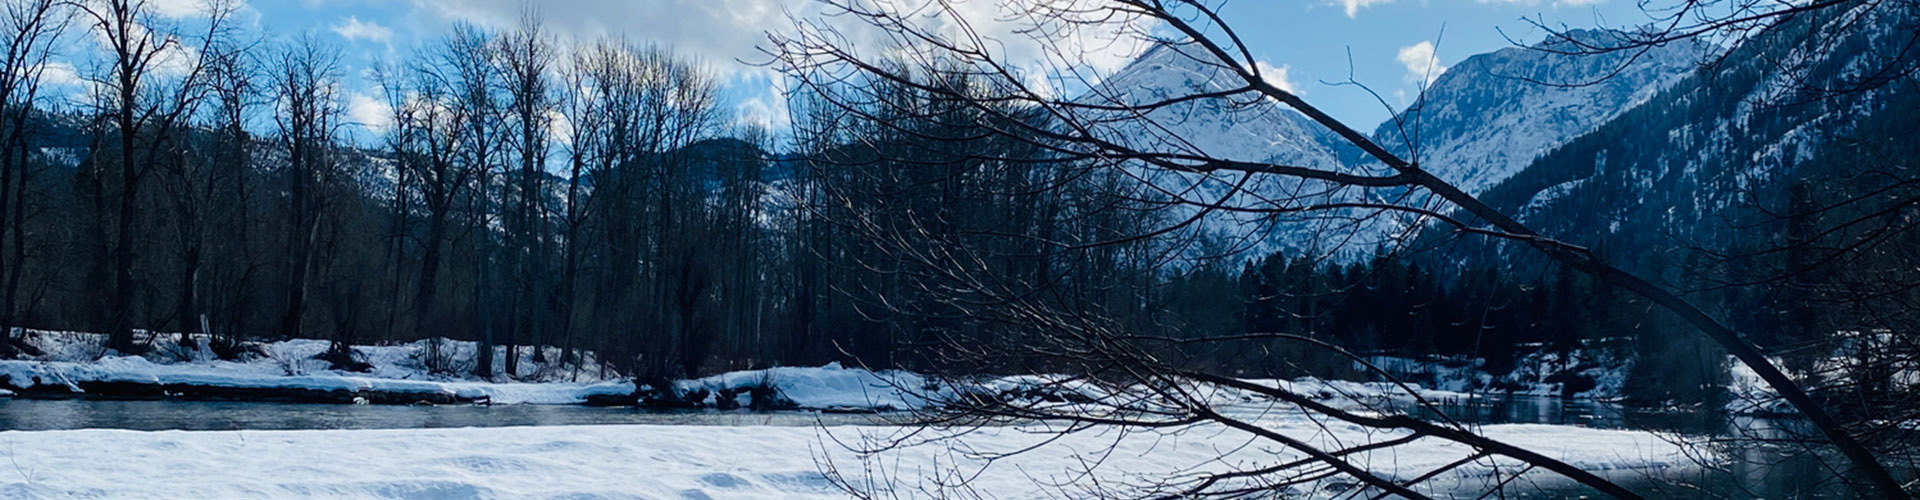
(648, 107)
(32, 30)
(471, 58)
(949, 62)
(153, 80)
(227, 182)
(526, 60)
(580, 103)
(306, 79)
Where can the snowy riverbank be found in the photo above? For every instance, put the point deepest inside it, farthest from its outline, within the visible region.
(399, 374)
(649, 461)
(73, 363)
(291, 370)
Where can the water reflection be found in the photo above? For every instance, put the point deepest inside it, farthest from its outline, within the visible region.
(1740, 458)
(207, 415)
(1582, 413)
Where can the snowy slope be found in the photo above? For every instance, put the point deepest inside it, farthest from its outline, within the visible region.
(1238, 127)
(1707, 149)
(1487, 117)
(1492, 114)
(1242, 126)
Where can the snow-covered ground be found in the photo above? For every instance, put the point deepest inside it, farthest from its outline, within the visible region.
(632, 462)
(74, 358)
(296, 357)
(70, 360)
(69, 363)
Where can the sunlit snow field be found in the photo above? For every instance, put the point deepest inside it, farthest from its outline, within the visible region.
(656, 461)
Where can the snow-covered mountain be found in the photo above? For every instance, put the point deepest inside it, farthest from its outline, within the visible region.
(1787, 106)
(1492, 114)
(1243, 126)
(1486, 118)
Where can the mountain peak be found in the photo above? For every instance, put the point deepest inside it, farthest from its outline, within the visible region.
(1584, 36)
(1244, 126)
(1491, 114)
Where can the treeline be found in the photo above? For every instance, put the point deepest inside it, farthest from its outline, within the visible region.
(523, 191)
(592, 196)
(1408, 306)
(944, 234)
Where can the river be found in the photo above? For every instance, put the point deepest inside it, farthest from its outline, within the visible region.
(35, 415)
(1759, 458)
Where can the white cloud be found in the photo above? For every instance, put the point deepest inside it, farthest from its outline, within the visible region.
(1278, 76)
(559, 128)
(1555, 3)
(369, 112)
(60, 80)
(171, 60)
(353, 29)
(187, 8)
(1422, 64)
(176, 61)
(761, 112)
(1353, 6)
(60, 74)
(725, 31)
(1040, 84)
(717, 30)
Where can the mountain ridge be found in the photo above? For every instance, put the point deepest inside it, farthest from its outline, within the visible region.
(1481, 121)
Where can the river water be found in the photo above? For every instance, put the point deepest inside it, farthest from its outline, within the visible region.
(28, 414)
(1755, 458)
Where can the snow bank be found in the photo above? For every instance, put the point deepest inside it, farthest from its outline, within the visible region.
(400, 374)
(834, 387)
(29, 374)
(70, 362)
(1748, 394)
(829, 387)
(408, 360)
(631, 462)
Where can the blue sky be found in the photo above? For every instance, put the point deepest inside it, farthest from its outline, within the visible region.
(1386, 44)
